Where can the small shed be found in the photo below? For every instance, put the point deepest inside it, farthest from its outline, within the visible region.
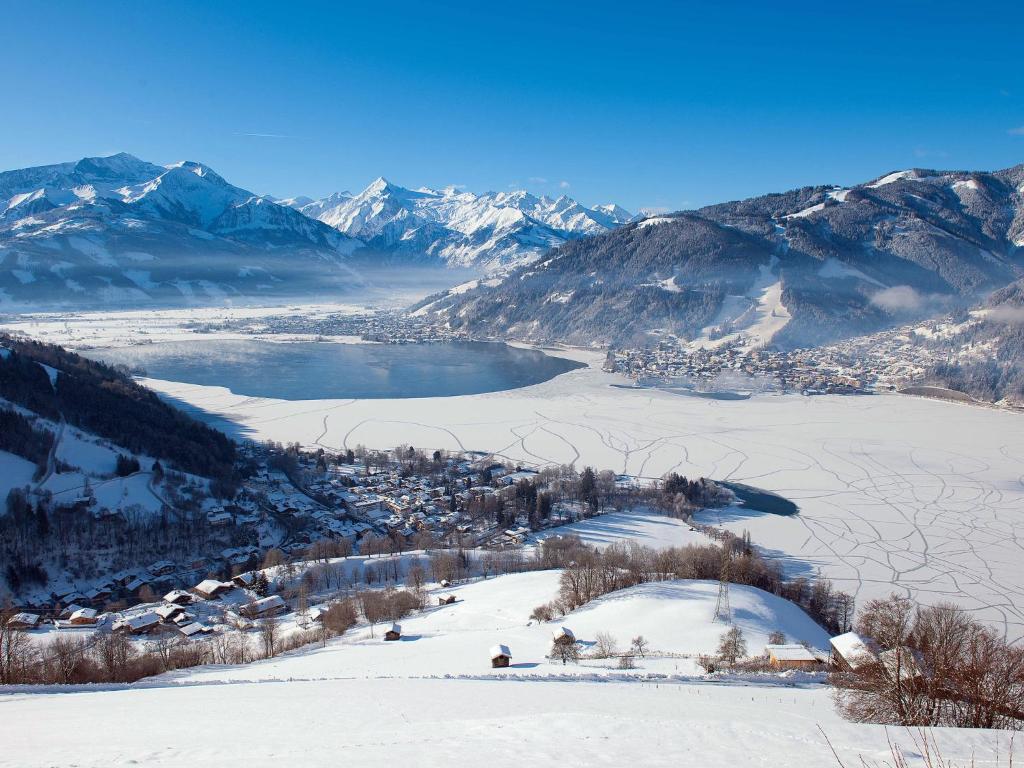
(446, 600)
(445, 583)
(24, 621)
(790, 656)
(501, 656)
(563, 636)
(193, 629)
(395, 633)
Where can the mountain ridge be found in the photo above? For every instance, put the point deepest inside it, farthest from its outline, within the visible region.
(795, 268)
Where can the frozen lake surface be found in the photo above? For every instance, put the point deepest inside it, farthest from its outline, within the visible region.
(896, 493)
(317, 371)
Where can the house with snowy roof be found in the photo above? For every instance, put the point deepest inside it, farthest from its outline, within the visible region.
(851, 651)
(501, 656)
(790, 656)
(264, 607)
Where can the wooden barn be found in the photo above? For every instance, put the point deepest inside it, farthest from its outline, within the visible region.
(790, 656)
(395, 633)
(501, 656)
(563, 636)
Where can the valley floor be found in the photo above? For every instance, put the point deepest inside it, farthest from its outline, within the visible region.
(895, 492)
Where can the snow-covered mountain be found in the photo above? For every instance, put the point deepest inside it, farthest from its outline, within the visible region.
(456, 227)
(796, 268)
(118, 229)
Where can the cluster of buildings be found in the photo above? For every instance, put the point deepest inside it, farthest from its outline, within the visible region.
(384, 326)
(810, 371)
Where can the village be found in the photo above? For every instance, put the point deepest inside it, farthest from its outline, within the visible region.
(293, 504)
(384, 326)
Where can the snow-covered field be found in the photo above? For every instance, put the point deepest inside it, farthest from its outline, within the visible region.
(896, 493)
(432, 698)
(436, 722)
(649, 529)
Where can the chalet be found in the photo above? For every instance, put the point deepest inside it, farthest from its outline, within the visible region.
(24, 621)
(264, 607)
(134, 586)
(98, 595)
(178, 597)
(563, 636)
(244, 580)
(395, 633)
(83, 617)
(790, 656)
(138, 625)
(211, 588)
(162, 568)
(851, 651)
(501, 656)
(446, 600)
(168, 611)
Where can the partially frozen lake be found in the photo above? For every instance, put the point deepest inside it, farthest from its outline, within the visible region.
(318, 371)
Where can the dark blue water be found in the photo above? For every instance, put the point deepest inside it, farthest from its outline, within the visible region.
(319, 371)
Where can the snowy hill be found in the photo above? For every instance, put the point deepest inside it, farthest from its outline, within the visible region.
(117, 230)
(459, 228)
(676, 617)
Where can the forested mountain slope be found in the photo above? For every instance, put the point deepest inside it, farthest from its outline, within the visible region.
(793, 269)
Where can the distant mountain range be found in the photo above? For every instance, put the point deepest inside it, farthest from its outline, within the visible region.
(456, 227)
(119, 230)
(793, 269)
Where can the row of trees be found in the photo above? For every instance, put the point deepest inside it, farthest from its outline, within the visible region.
(931, 666)
(589, 573)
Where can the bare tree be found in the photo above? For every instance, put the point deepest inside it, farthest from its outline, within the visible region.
(15, 649)
(640, 646)
(268, 633)
(932, 666)
(565, 651)
(604, 645)
(732, 645)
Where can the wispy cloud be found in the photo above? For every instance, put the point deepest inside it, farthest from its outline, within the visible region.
(266, 135)
(564, 185)
(1018, 131)
(537, 180)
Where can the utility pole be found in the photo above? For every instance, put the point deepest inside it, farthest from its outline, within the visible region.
(722, 609)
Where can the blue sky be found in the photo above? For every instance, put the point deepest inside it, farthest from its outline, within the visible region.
(663, 105)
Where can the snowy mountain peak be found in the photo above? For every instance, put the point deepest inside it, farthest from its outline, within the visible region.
(459, 227)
